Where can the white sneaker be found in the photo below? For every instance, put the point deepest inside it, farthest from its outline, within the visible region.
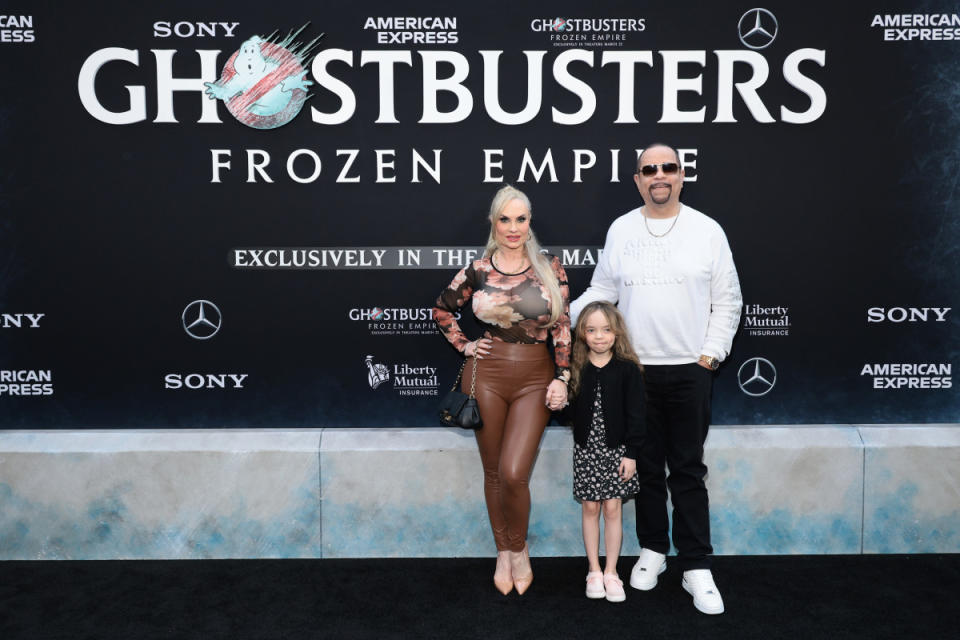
(706, 597)
(650, 565)
(595, 589)
(613, 585)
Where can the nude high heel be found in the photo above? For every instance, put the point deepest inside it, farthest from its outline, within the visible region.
(503, 576)
(522, 573)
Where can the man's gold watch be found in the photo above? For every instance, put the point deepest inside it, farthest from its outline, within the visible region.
(710, 361)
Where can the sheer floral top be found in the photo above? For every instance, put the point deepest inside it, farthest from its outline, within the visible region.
(510, 307)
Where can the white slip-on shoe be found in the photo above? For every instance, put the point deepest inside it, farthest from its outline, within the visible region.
(595, 589)
(613, 585)
(706, 597)
(649, 565)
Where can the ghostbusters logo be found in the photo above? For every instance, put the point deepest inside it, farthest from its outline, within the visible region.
(263, 84)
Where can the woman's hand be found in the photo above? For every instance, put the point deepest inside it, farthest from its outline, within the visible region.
(557, 395)
(478, 348)
(628, 467)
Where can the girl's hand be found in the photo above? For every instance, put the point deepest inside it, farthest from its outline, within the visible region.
(628, 467)
(557, 395)
(478, 348)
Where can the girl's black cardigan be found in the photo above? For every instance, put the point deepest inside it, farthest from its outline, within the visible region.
(624, 405)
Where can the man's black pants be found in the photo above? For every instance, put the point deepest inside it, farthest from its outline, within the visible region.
(678, 416)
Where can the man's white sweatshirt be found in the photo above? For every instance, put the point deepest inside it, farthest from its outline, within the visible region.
(679, 293)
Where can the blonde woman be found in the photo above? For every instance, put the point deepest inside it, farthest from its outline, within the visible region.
(520, 297)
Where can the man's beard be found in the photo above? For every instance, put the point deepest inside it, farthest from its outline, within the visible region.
(664, 199)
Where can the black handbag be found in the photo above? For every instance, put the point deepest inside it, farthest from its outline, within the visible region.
(459, 409)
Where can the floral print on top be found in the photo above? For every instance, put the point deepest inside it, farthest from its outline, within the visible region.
(511, 308)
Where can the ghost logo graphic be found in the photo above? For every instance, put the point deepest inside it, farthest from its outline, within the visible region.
(756, 377)
(201, 319)
(757, 28)
(377, 374)
(264, 84)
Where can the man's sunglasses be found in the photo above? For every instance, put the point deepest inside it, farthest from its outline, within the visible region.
(667, 167)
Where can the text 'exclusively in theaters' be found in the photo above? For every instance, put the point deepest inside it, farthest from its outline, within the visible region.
(386, 257)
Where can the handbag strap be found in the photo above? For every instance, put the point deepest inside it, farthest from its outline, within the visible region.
(473, 380)
(459, 376)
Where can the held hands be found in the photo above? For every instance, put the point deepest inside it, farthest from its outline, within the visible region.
(478, 348)
(628, 467)
(557, 395)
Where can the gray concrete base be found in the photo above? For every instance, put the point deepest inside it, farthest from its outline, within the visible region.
(159, 494)
(912, 504)
(343, 493)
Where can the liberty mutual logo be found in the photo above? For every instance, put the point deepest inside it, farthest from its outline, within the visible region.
(406, 379)
(377, 374)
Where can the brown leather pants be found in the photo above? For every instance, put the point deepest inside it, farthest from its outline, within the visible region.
(511, 393)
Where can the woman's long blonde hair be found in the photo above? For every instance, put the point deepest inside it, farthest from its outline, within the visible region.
(622, 348)
(539, 261)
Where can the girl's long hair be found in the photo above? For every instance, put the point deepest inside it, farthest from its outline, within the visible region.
(538, 260)
(622, 348)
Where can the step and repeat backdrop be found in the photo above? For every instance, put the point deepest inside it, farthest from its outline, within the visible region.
(240, 214)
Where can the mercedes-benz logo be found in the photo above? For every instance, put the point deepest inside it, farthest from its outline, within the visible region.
(756, 377)
(758, 28)
(201, 319)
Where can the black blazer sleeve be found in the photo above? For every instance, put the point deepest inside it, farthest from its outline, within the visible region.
(635, 396)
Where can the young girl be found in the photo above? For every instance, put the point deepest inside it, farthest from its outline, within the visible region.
(608, 429)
